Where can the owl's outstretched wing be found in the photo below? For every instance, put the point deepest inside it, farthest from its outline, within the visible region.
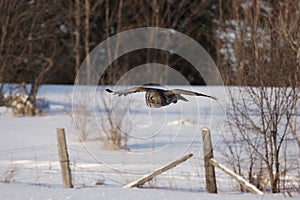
(191, 93)
(128, 91)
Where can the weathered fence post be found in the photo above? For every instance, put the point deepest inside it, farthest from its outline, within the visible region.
(64, 158)
(211, 185)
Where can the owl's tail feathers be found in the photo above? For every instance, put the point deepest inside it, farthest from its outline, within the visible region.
(181, 97)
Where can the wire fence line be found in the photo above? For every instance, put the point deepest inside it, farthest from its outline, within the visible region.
(39, 165)
(28, 148)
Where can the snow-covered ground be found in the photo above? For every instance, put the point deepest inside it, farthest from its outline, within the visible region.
(27, 191)
(29, 167)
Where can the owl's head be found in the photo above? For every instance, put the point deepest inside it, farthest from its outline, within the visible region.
(153, 99)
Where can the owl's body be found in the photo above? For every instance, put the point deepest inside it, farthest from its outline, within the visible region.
(156, 98)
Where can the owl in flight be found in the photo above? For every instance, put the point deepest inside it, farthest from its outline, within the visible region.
(156, 97)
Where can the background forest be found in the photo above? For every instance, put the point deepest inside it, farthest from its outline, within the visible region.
(249, 40)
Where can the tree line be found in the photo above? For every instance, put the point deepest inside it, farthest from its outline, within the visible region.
(46, 41)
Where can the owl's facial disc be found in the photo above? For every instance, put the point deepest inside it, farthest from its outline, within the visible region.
(151, 100)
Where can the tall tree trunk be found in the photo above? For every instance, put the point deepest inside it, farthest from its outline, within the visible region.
(86, 39)
(77, 35)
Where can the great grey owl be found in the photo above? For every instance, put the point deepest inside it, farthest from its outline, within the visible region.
(156, 97)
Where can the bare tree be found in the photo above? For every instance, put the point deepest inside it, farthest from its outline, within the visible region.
(266, 65)
(114, 122)
(287, 28)
(28, 44)
(263, 117)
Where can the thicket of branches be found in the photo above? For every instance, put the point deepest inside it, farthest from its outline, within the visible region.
(265, 59)
(66, 31)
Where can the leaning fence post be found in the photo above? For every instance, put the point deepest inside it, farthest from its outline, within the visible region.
(237, 177)
(64, 158)
(150, 176)
(211, 185)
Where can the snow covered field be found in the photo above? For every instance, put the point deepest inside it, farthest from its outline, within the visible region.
(29, 167)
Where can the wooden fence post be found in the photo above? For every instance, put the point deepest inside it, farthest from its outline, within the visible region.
(64, 158)
(211, 185)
